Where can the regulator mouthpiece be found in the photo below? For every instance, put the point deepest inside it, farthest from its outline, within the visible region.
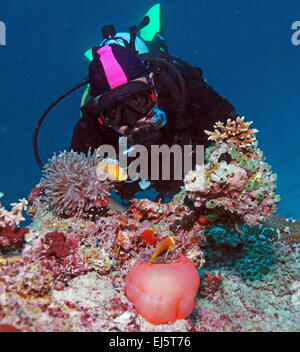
(160, 118)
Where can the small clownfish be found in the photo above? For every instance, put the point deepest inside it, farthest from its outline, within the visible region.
(113, 171)
(164, 245)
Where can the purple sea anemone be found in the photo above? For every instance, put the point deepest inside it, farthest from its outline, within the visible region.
(71, 184)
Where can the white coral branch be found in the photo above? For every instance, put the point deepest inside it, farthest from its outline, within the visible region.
(15, 216)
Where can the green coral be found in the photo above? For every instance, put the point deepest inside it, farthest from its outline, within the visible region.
(249, 187)
(239, 157)
(255, 184)
(243, 163)
(265, 185)
(211, 204)
(259, 196)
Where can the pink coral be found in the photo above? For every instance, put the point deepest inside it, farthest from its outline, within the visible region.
(57, 245)
(12, 238)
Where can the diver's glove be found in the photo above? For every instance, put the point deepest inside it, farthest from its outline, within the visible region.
(150, 134)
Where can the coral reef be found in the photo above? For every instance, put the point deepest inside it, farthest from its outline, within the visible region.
(237, 180)
(212, 321)
(67, 259)
(77, 256)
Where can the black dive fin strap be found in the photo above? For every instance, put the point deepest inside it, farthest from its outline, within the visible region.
(133, 32)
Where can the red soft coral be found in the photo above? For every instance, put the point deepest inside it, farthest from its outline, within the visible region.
(57, 245)
(12, 238)
(148, 238)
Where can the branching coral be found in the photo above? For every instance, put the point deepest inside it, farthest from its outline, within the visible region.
(236, 132)
(13, 217)
(71, 185)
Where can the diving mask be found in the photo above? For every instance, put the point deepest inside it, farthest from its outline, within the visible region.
(130, 107)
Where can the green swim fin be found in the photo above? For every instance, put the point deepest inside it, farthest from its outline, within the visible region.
(157, 23)
(88, 54)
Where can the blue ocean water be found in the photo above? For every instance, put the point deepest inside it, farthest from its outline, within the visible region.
(244, 48)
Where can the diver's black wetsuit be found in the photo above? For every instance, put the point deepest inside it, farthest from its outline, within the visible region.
(204, 106)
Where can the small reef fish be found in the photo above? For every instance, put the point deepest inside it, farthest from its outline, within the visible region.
(114, 172)
(164, 245)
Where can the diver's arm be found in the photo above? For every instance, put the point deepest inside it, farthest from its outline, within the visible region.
(88, 133)
(80, 137)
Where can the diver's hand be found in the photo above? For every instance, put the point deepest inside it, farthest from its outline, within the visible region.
(145, 136)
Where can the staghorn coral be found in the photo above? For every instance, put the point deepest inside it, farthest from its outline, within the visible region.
(236, 132)
(236, 180)
(71, 185)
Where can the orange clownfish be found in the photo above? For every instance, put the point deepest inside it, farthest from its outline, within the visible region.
(164, 245)
(113, 172)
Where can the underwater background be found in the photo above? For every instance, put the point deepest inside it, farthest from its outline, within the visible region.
(243, 47)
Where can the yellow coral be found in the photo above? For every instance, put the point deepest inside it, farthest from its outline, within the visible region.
(236, 132)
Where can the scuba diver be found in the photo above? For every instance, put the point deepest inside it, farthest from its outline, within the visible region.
(139, 91)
